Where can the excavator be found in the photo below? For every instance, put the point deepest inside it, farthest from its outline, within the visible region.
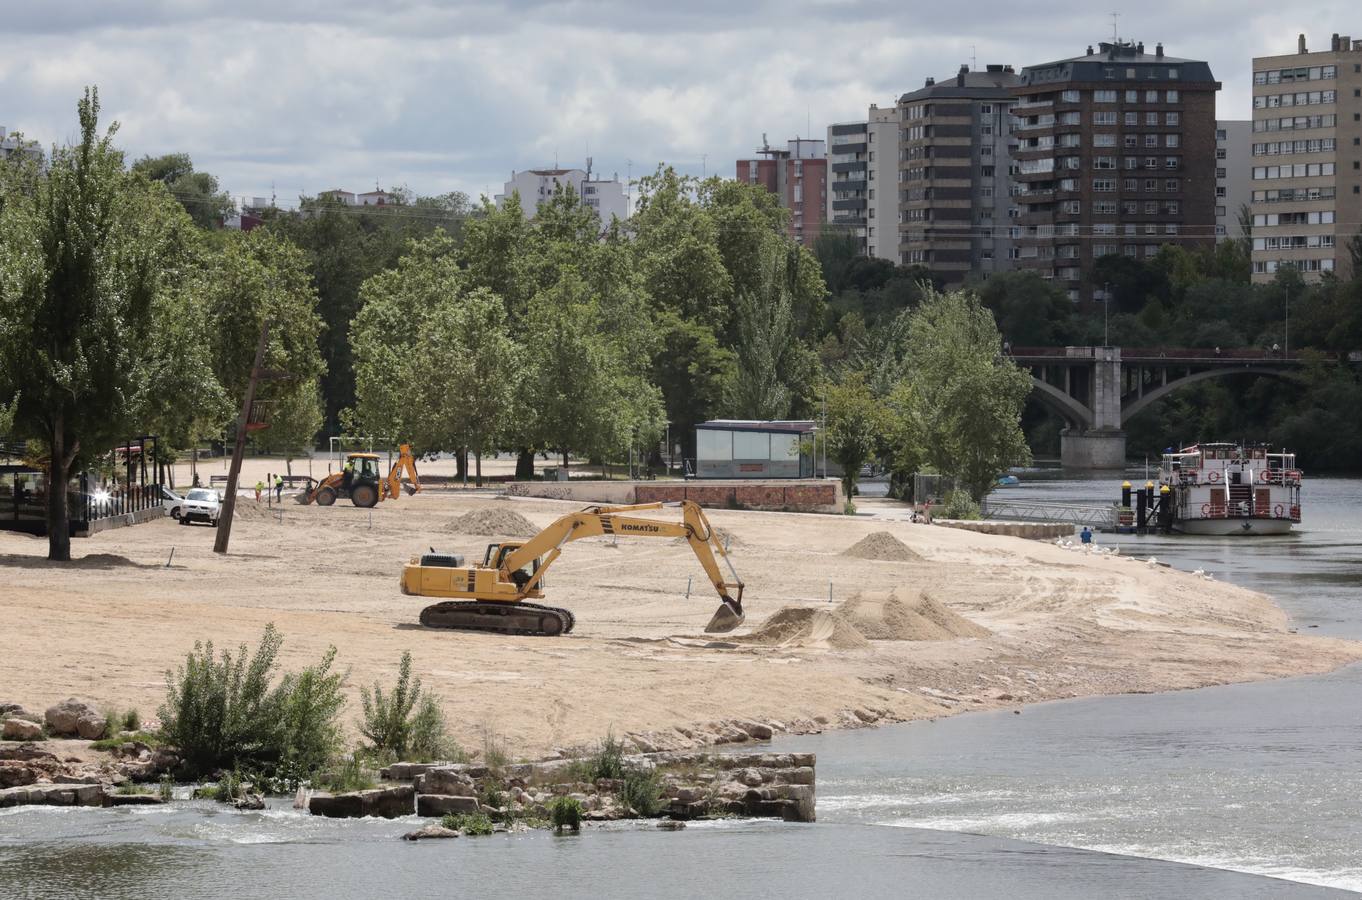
(363, 486)
(492, 596)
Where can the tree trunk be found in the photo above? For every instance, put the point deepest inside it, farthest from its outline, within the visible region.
(58, 516)
(524, 466)
(565, 459)
(477, 456)
(460, 465)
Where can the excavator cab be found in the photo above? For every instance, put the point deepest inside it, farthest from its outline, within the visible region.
(496, 553)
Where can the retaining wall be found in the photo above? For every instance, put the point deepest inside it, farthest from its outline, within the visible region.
(1040, 531)
(802, 495)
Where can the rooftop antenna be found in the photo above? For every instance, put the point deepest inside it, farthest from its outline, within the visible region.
(704, 165)
(973, 59)
(1115, 34)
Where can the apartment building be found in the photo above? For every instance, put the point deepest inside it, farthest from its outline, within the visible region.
(798, 175)
(1233, 170)
(955, 154)
(15, 145)
(1115, 155)
(607, 196)
(1307, 159)
(861, 192)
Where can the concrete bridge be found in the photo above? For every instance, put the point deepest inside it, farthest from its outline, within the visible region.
(1095, 390)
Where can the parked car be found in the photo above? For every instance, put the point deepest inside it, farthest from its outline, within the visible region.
(201, 505)
(171, 502)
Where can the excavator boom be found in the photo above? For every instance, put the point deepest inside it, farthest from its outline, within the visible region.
(514, 572)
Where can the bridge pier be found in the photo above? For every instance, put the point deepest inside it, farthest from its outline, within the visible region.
(1092, 448)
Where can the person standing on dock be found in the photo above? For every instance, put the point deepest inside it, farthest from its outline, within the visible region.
(1086, 536)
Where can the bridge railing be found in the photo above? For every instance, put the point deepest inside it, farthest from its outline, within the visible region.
(1157, 354)
(1093, 515)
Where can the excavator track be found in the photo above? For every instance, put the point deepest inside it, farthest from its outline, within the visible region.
(499, 618)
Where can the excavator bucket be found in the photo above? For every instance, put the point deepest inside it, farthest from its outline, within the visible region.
(728, 616)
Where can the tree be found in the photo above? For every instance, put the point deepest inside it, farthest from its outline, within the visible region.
(1030, 311)
(466, 372)
(858, 428)
(197, 192)
(88, 254)
(676, 246)
(496, 252)
(694, 373)
(963, 397)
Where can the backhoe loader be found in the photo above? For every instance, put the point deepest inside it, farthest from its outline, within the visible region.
(361, 483)
(493, 595)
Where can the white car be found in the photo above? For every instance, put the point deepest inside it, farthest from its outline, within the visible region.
(201, 505)
(171, 502)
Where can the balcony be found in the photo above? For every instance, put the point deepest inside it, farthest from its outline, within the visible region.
(849, 148)
(1040, 122)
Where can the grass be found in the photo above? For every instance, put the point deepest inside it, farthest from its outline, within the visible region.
(130, 789)
(350, 775)
(565, 813)
(642, 792)
(167, 788)
(606, 762)
(150, 738)
(494, 754)
(471, 824)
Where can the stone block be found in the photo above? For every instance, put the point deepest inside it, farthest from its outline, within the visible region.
(386, 802)
(75, 718)
(432, 805)
(446, 780)
(16, 729)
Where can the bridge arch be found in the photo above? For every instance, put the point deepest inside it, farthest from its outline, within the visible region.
(1137, 405)
(1070, 410)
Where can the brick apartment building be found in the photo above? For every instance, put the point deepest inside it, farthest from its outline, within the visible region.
(798, 175)
(1307, 159)
(1115, 155)
(955, 152)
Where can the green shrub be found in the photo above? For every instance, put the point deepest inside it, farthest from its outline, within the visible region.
(849, 508)
(405, 724)
(565, 813)
(350, 775)
(608, 760)
(167, 788)
(221, 712)
(471, 824)
(206, 792)
(494, 754)
(132, 721)
(959, 505)
(228, 788)
(642, 792)
(150, 738)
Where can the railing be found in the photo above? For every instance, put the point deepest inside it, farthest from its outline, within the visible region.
(100, 504)
(1096, 516)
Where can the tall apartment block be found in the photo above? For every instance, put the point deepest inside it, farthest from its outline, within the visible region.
(955, 152)
(862, 199)
(1233, 166)
(1307, 159)
(798, 175)
(1115, 155)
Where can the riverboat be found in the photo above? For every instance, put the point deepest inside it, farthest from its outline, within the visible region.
(1227, 488)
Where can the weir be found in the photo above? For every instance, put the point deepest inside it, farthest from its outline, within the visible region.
(1095, 390)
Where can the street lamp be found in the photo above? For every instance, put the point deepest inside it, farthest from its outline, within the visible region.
(1106, 312)
(1286, 309)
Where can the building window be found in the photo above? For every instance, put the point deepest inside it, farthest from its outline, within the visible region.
(1104, 96)
(1151, 140)
(1103, 185)
(1221, 134)
(1173, 73)
(1104, 118)
(1130, 73)
(1132, 185)
(1171, 140)
(986, 109)
(1171, 185)
(1150, 184)
(1173, 207)
(1171, 118)
(1172, 96)
(1104, 140)
(1151, 207)
(1151, 96)
(1132, 96)
(1170, 162)
(1220, 211)
(1130, 207)
(1151, 118)
(1220, 191)
(1219, 173)
(1220, 153)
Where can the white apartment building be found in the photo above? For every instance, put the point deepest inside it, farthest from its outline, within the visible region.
(607, 197)
(1233, 171)
(1307, 159)
(862, 197)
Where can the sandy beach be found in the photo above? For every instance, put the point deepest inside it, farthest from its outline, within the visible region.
(935, 621)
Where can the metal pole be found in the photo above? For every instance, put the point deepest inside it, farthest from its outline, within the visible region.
(1286, 337)
(224, 534)
(1106, 312)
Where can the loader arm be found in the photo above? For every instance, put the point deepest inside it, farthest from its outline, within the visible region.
(606, 520)
(392, 485)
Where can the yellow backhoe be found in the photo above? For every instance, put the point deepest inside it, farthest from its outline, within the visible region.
(493, 595)
(361, 483)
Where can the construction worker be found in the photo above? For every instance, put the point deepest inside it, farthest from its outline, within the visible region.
(278, 488)
(348, 475)
(259, 486)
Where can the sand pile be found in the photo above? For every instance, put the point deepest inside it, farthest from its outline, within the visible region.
(490, 520)
(881, 545)
(797, 626)
(901, 616)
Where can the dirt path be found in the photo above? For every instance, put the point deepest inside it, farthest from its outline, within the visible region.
(1059, 623)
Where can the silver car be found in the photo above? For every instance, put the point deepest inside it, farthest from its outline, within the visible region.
(201, 505)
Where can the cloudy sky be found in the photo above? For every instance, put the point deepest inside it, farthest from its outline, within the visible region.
(306, 95)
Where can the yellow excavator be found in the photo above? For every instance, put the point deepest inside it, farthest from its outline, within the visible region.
(493, 595)
(360, 482)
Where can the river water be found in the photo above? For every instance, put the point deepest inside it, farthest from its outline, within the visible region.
(1192, 794)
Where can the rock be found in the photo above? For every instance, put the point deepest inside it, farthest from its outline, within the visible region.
(750, 777)
(16, 729)
(427, 832)
(27, 753)
(250, 802)
(133, 800)
(15, 711)
(755, 730)
(446, 780)
(670, 825)
(53, 795)
(14, 773)
(388, 803)
(75, 718)
(432, 805)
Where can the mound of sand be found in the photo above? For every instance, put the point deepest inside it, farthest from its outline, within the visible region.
(881, 545)
(900, 616)
(797, 626)
(490, 520)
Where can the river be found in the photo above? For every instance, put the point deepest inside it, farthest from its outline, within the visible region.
(1191, 794)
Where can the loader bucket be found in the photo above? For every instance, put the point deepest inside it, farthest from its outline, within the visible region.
(728, 616)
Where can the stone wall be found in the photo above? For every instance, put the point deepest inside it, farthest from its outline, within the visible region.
(798, 495)
(1040, 531)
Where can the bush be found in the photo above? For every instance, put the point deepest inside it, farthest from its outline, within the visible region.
(642, 792)
(350, 775)
(494, 754)
(472, 824)
(132, 721)
(221, 712)
(959, 505)
(565, 812)
(150, 738)
(608, 761)
(167, 789)
(405, 724)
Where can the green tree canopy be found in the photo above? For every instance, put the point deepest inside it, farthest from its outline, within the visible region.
(197, 192)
